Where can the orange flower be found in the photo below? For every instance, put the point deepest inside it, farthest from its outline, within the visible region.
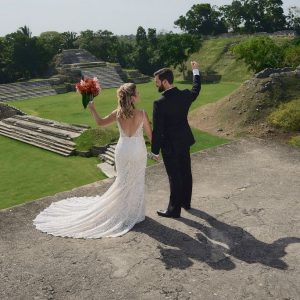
(88, 86)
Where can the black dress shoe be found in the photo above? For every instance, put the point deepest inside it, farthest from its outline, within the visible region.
(167, 214)
(186, 207)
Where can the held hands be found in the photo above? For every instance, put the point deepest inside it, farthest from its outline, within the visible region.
(154, 156)
(194, 65)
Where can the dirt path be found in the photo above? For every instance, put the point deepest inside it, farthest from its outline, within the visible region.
(241, 240)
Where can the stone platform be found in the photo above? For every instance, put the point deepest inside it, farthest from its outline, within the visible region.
(241, 240)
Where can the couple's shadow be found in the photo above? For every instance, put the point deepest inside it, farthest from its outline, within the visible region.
(214, 244)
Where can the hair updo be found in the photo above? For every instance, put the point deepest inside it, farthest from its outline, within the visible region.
(125, 104)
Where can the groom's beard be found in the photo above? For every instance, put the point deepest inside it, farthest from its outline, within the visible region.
(161, 88)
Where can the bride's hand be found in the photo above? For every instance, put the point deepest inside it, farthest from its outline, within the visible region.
(91, 105)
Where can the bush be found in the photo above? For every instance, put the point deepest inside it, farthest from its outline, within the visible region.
(96, 137)
(287, 115)
(292, 56)
(259, 53)
(295, 141)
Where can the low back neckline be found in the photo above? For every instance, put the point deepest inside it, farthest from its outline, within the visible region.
(124, 134)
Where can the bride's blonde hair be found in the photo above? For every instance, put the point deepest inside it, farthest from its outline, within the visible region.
(125, 104)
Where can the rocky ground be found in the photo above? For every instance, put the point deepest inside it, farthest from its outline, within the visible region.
(241, 240)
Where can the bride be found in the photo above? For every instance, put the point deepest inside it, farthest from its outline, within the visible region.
(122, 205)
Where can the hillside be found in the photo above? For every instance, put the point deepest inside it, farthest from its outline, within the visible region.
(246, 110)
(215, 55)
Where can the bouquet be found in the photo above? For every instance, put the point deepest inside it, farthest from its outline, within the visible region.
(88, 88)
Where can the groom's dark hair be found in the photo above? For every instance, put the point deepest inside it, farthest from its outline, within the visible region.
(165, 73)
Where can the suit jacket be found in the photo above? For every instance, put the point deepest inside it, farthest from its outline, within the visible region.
(171, 129)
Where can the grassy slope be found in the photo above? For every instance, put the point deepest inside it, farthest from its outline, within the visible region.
(215, 55)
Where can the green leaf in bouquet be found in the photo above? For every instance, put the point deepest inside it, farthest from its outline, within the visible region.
(86, 98)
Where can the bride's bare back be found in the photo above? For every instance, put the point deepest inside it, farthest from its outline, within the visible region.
(131, 125)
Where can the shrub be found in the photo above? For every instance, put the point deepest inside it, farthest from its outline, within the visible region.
(287, 115)
(96, 137)
(259, 53)
(292, 56)
(295, 141)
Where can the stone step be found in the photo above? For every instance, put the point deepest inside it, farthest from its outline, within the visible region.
(107, 169)
(111, 155)
(107, 158)
(37, 144)
(54, 140)
(110, 151)
(38, 139)
(64, 134)
(14, 96)
(51, 123)
(28, 85)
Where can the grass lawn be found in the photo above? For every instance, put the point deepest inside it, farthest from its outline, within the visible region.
(29, 173)
(68, 108)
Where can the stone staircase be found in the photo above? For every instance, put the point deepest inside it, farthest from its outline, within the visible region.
(136, 76)
(43, 133)
(109, 155)
(107, 76)
(108, 166)
(31, 89)
(73, 56)
(77, 63)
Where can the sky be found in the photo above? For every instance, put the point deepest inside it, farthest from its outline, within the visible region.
(122, 17)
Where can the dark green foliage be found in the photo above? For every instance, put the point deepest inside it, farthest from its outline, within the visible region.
(263, 52)
(96, 137)
(292, 56)
(202, 19)
(260, 53)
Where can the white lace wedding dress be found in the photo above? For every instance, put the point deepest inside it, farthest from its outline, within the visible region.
(116, 211)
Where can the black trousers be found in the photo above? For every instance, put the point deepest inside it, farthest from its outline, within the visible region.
(178, 166)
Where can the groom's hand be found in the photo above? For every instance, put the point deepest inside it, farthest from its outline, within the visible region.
(154, 156)
(195, 65)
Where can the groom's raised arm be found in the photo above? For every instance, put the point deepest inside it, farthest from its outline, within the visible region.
(196, 82)
(158, 128)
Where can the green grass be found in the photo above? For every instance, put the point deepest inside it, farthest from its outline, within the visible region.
(29, 173)
(68, 108)
(215, 55)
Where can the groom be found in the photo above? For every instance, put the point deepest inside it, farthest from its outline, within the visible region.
(173, 136)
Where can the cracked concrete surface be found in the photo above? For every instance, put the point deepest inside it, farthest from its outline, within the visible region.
(241, 240)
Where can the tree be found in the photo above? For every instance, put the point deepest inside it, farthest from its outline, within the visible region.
(259, 53)
(26, 31)
(52, 42)
(202, 19)
(68, 40)
(293, 19)
(175, 49)
(233, 15)
(141, 55)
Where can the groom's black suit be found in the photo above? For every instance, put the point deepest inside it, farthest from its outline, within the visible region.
(172, 134)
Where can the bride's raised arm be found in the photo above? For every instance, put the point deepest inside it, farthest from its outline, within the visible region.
(102, 121)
